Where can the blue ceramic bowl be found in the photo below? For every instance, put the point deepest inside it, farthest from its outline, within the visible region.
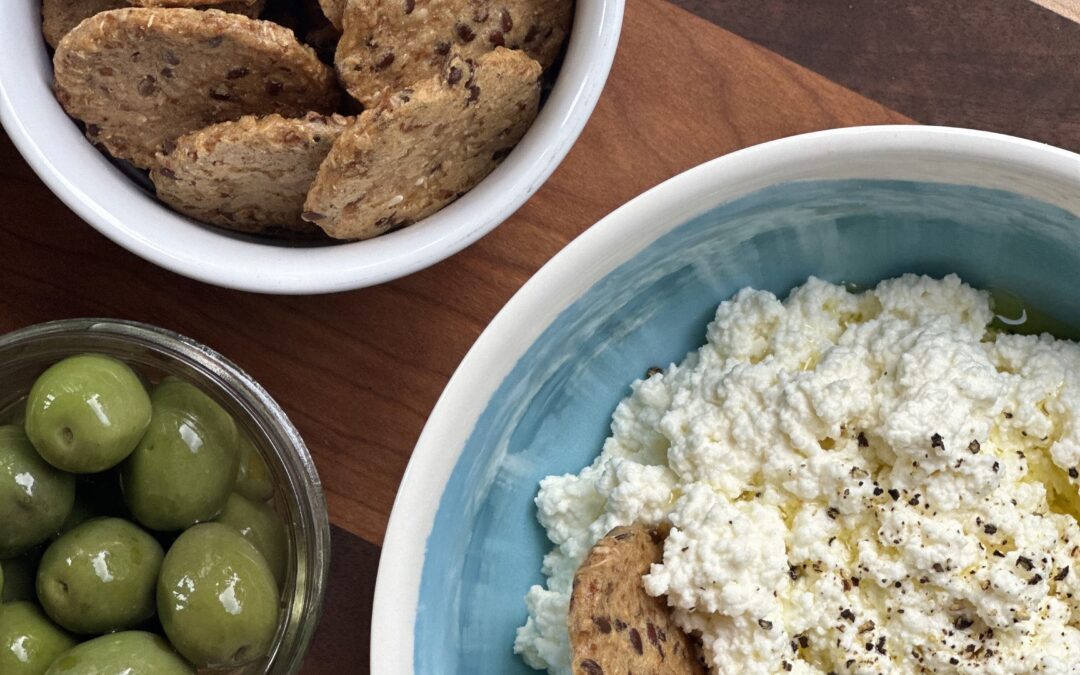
(535, 395)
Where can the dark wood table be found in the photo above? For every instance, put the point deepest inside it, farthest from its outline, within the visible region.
(359, 372)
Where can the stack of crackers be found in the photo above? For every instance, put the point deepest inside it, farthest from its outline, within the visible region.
(241, 125)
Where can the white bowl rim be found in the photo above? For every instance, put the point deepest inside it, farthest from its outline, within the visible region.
(895, 149)
(212, 256)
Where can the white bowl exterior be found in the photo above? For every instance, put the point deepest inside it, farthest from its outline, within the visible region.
(939, 154)
(109, 201)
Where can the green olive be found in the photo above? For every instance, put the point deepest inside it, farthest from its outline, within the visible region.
(217, 599)
(260, 525)
(86, 413)
(129, 653)
(35, 497)
(1, 580)
(253, 480)
(100, 576)
(29, 642)
(184, 468)
(19, 575)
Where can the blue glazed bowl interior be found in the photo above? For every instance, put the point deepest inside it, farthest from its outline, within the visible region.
(551, 414)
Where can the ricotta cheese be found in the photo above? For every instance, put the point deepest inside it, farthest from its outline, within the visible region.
(871, 482)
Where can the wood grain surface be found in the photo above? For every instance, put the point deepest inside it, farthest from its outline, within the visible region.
(1000, 65)
(359, 372)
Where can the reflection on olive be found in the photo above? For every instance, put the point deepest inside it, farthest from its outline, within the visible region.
(34, 496)
(184, 467)
(29, 642)
(100, 576)
(86, 413)
(217, 598)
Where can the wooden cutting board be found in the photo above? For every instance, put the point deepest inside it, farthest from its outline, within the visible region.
(359, 372)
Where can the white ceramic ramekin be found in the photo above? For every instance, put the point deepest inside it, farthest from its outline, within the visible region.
(128, 214)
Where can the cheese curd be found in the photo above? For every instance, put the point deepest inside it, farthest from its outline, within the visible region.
(870, 482)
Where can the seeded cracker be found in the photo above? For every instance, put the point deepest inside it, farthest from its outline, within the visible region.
(390, 44)
(247, 175)
(425, 146)
(140, 77)
(60, 16)
(615, 626)
(192, 3)
(249, 8)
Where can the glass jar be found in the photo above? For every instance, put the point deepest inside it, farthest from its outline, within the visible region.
(298, 498)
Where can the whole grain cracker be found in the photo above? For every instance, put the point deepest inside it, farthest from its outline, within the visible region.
(192, 3)
(139, 77)
(615, 626)
(249, 8)
(426, 146)
(58, 17)
(248, 175)
(390, 44)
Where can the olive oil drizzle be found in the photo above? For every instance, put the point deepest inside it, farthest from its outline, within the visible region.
(1013, 314)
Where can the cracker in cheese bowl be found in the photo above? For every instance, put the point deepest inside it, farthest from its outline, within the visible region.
(855, 482)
